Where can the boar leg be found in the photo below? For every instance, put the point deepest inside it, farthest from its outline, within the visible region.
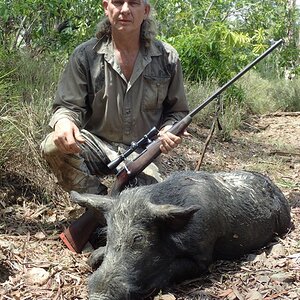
(186, 268)
(96, 258)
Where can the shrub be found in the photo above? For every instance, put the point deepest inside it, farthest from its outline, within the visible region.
(231, 107)
(270, 95)
(197, 93)
(286, 93)
(26, 97)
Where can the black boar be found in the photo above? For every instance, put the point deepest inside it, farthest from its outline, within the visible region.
(171, 231)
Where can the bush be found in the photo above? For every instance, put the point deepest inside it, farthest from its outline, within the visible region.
(216, 52)
(26, 98)
(231, 107)
(266, 96)
(5, 137)
(286, 94)
(258, 94)
(197, 93)
(251, 95)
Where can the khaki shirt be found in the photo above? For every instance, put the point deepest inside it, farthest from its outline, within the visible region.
(94, 93)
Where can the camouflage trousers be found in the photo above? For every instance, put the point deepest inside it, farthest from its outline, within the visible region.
(83, 172)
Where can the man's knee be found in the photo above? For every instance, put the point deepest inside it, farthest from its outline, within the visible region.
(70, 170)
(48, 148)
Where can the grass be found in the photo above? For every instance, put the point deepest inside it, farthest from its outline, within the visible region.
(266, 96)
(26, 93)
(255, 96)
(231, 111)
(287, 183)
(277, 144)
(20, 133)
(272, 164)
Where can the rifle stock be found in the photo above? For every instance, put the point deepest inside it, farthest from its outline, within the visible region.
(78, 233)
(76, 238)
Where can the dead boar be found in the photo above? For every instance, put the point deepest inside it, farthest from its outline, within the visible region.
(172, 231)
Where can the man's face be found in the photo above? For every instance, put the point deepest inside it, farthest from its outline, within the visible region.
(126, 15)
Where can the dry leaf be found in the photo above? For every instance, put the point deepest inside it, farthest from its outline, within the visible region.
(225, 293)
(37, 276)
(254, 295)
(165, 297)
(40, 235)
(277, 251)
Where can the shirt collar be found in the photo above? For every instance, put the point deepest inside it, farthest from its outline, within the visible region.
(104, 46)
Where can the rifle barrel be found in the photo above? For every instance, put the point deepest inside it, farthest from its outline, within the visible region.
(236, 77)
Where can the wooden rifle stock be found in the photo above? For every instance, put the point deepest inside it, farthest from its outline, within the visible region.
(79, 232)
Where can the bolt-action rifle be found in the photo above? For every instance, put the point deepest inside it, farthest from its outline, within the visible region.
(78, 233)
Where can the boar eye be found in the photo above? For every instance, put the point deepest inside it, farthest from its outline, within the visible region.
(138, 239)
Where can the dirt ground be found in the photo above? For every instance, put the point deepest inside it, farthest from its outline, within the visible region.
(34, 264)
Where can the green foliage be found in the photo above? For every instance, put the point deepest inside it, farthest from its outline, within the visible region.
(46, 26)
(258, 94)
(286, 93)
(16, 133)
(216, 52)
(252, 95)
(8, 140)
(217, 37)
(232, 111)
(5, 143)
(214, 37)
(231, 119)
(197, 93)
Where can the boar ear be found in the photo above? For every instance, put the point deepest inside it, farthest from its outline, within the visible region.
(99, 202)
(175, 217)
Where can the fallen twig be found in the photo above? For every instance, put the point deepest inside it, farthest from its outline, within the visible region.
(283, 114)
(284, 153)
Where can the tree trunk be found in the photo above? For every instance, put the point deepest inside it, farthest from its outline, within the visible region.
(291, 8)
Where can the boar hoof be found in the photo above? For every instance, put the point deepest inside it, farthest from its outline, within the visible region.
(96, 258)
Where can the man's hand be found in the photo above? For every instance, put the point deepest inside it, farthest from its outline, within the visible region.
(67, 136)
(169, 140)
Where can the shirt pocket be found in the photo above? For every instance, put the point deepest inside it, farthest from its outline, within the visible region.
(155, 92)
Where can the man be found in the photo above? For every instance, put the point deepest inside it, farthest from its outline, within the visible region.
(115, 88)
